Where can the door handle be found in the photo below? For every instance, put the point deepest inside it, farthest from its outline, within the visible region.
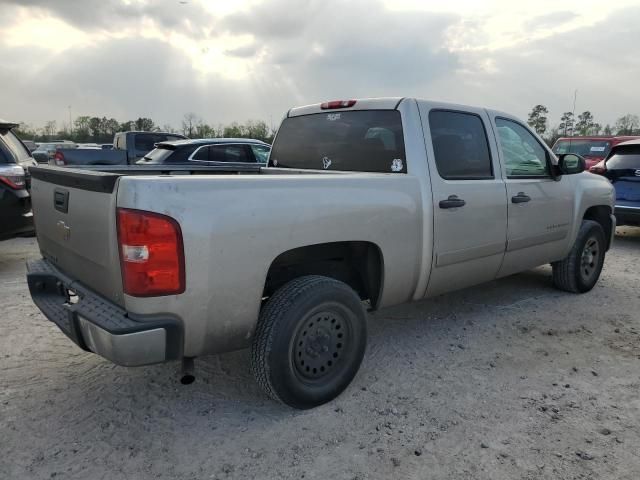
(452, 202)
(521, 198)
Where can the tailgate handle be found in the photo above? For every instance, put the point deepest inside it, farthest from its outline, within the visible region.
(61, 200)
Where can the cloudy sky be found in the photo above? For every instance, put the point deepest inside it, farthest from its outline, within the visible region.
(243, 60)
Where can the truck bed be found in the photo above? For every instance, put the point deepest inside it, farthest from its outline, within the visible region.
(235, 223)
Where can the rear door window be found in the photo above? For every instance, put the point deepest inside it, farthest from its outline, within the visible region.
(460, 145)
(230, 153)
(362, 140)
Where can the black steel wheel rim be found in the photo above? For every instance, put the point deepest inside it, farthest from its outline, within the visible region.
(321, 344)
(590, 259)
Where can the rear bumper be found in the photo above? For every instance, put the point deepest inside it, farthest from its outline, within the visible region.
(100, 326)
(627, 215)
(16, 217)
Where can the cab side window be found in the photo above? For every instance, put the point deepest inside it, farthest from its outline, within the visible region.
(523, 155)
(460, 145)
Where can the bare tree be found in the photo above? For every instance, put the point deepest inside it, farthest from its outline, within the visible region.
(50, 128)
(627, 125)
(189, 122)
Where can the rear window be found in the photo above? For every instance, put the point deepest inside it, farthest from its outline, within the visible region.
(365, 141)
(158, 155)
(145, 142)
(585, 148)
(15, 151)
(626, 158)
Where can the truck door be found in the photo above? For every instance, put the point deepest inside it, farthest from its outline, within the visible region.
(469, 198)
(540, 208)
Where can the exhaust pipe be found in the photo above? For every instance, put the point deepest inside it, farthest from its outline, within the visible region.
(187, 375)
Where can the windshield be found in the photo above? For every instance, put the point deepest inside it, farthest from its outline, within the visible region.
(365, 141)
(18, 151)
(585, 148)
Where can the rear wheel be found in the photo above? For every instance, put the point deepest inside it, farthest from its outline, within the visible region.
(579, 272)
(309, 342)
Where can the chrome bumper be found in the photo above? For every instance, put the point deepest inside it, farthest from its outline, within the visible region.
(100, 326)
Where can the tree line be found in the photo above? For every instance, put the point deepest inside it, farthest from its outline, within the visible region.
(87, 129)
(102, 129)
(584, 124)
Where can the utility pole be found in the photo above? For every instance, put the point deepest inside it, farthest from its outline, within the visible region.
(70, 123)
(573, 124)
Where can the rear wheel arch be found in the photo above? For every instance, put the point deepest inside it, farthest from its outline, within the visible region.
(359, 264)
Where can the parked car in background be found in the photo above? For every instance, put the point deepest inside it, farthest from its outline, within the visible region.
(15, 201)
(89, 145)
(128, 147)
(592, 149)
(208, 151)
(30, 144)
(47, 150)
(622, 168)
(106, 146)
(383, 201)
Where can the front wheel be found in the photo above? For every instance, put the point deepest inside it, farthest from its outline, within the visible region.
(309, 342)
(579, 272)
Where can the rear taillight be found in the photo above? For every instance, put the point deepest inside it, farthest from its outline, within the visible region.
(151, 253)
(13, 177)
(337, 104)
(59, 158)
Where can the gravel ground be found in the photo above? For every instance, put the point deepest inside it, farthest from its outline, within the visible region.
(509, 380)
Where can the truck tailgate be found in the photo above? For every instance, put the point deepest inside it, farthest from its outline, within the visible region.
(75, 219)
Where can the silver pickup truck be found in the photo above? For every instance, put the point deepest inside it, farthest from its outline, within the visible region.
(364, 204)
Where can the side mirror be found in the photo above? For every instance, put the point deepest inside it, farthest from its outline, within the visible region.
(571, 163)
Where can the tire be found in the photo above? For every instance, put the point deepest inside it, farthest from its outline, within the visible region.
(309, 341)
(579, 272)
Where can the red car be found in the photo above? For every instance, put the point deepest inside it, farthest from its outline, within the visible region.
(593, 149)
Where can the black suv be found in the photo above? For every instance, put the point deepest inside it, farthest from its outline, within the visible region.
(209, 151)
(16, 217)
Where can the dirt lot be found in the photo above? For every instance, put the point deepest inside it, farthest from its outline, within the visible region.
(510, 380)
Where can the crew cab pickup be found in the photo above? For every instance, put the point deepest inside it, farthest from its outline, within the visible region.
(364, 204)
(128, 147)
